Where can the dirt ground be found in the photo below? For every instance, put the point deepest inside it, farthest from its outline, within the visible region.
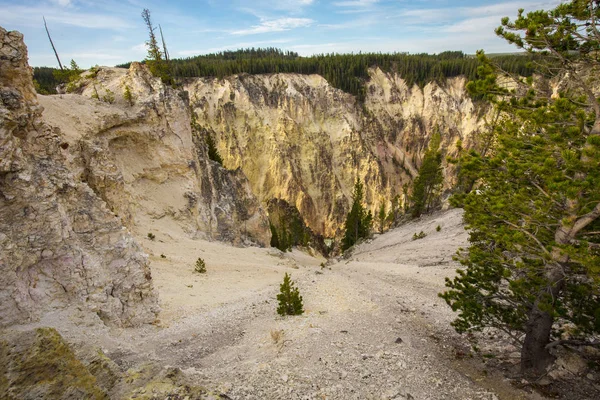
(374, 327)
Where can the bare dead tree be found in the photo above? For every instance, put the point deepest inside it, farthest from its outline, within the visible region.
(52, 43)
(165, 52)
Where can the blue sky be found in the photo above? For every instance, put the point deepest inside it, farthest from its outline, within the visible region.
(108, 32)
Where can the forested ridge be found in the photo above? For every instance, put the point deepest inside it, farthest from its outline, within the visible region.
(347, 72)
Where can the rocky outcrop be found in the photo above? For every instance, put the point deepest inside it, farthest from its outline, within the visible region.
(299, 139)
(59, 243)
(141, 156)
(40, 364)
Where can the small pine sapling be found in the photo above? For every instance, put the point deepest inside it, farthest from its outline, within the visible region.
(200, 266)
(290, 301)
(128, 96)
(109, 96)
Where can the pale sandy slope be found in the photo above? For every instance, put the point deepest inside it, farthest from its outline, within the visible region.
(374, 327)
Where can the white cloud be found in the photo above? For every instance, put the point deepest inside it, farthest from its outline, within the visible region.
(473, 25)
(276, 25)
(62, 3)
(353, 24)
(355, 3)
(31, 16)
(267, 6)
(139, 48)
(94, 55)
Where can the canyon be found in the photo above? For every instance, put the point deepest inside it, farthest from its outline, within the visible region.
(108, 200)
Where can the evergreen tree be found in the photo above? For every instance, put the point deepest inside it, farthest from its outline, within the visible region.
(155, 61)
(213, 152)
(358, 221)
(394, 213)
(274, 237)
(533, 266)
(428, 183)
(66, 75)
(347, 72)
(382, 217)
(128, 96)
(290, 301)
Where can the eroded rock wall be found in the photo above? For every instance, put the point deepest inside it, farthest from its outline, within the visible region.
(59, 243)
(142, 157)
(299, 139)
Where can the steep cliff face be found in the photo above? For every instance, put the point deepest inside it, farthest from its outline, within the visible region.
(59, 244)
(297, 138)
(141, 156)
(404, 118)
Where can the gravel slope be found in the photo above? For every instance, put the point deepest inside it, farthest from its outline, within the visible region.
(374, 327)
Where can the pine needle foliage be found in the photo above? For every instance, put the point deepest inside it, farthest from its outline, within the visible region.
(213, 152)
(155, 58)
(127, 95)
(358, 221)
(200, 266)
(382, 217)
(533, 266)
(290, 301)
(427, 185)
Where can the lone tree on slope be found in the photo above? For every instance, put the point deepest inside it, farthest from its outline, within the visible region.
(358, 221)
(533, 266)
(427, 185)
(155, 61)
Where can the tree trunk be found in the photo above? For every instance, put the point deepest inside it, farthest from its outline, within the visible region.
(535, 358)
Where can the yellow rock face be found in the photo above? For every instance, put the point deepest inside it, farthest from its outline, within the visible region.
(143, 159)
(297, 138)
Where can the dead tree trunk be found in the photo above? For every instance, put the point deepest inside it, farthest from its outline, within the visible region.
(52, 44)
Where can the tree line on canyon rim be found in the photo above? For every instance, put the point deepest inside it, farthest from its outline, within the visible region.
(530, 188)
(347, 72)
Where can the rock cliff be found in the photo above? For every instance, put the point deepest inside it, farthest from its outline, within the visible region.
(119, 151)
(59, 243)
(141, 156)
(299, 139)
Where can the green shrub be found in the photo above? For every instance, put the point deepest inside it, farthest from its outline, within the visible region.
(290, 301)
(109, 96)
(419, 235)
(151, 236)
(200, 266)
(128, 96)
(438, 228)
(94, 71)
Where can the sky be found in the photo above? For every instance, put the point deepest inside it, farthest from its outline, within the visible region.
(109, 32)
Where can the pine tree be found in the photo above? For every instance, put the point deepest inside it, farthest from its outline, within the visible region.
(395, 210)
(155, 61)
(428, 183)
(274, 236)
(213, 152)
(358, 221)
(533, 265)
(128, 96)
(290, 301)
(382, 216)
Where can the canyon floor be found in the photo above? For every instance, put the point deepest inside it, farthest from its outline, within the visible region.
(374, 327)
